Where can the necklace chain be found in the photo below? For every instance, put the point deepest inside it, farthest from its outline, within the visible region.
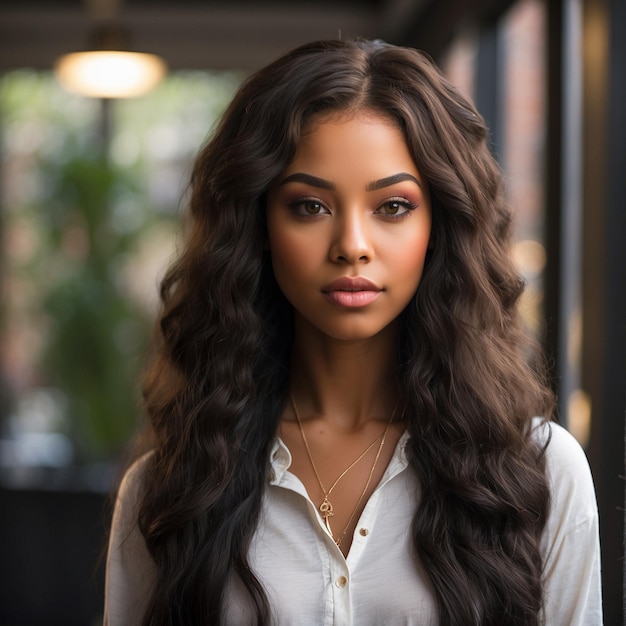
(326, 508)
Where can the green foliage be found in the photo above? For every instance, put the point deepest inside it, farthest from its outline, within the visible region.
(96, 335)
(90, 223)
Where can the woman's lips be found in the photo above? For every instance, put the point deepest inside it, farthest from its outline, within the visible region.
(352, 292)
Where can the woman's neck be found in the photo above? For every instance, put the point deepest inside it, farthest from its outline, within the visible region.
(346, 383)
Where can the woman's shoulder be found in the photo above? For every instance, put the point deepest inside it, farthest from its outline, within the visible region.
(130, 569)
(133, 480)
(561, 443)
(570, 539)
(562, 448)
(567, 469)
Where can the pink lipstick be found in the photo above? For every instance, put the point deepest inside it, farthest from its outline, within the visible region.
(352, 292)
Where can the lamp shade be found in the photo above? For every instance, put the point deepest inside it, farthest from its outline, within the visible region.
(109, 73)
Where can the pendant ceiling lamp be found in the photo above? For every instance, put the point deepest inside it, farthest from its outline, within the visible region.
(108, 69)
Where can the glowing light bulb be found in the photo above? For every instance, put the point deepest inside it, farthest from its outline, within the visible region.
(110, 73)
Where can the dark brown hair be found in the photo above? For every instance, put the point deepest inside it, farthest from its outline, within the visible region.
(217, 383)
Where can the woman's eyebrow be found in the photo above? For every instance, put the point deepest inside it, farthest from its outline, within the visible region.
(392, 180)
(314, 181)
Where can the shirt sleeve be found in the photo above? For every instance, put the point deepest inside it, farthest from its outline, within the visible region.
(570, 541)
(130, 570)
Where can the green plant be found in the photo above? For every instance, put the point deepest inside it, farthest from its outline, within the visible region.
(96, 333)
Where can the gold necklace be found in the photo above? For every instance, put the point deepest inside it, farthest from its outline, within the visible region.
(326, 508)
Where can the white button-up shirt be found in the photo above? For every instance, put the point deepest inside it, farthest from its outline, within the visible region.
(381, 582)
(305, 574)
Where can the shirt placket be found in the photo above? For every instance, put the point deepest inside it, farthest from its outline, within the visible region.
(338, 605)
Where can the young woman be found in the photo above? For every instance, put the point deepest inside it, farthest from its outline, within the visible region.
(341, 401)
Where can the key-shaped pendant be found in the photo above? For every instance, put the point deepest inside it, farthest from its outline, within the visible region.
(326, 509)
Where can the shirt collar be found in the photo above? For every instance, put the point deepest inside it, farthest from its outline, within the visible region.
(280, 460)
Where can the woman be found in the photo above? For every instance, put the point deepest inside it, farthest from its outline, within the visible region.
(340, 398)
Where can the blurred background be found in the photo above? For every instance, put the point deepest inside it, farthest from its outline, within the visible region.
(92, 186)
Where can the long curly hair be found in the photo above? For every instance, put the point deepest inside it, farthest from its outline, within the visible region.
(218, 378)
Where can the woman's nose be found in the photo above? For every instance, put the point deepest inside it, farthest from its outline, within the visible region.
(351, 240)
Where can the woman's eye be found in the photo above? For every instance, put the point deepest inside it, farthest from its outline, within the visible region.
(396, 208)
(308, 207)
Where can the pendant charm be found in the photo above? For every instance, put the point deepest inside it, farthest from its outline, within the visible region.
(326, 509)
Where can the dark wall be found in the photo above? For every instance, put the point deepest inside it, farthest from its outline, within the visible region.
(50, 545)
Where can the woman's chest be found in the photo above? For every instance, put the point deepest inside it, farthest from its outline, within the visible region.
(308, 580)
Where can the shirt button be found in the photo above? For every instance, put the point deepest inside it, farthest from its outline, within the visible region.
(364, 532)
(341, 582)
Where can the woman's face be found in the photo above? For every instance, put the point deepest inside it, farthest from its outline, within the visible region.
(348, 226)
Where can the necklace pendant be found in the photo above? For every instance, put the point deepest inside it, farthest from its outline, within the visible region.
(326, 509)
